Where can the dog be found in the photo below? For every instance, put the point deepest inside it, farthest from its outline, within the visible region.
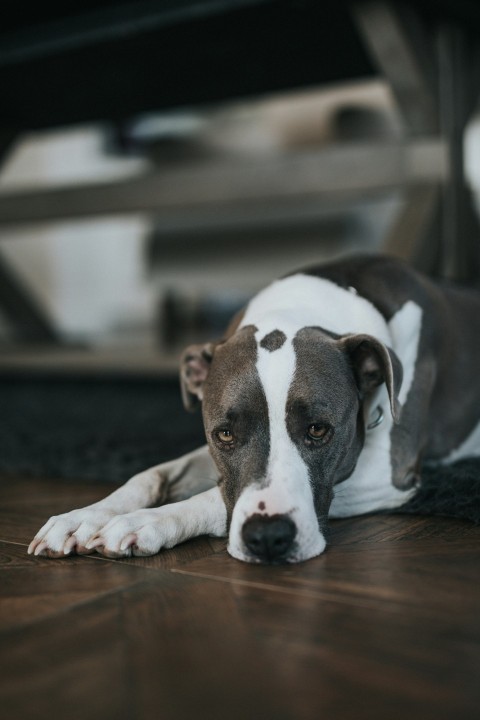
(323, 399)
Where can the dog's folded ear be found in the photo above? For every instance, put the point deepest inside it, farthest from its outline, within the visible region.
(194, 369)
(374, 363)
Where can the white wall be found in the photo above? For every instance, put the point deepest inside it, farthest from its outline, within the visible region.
(88, 275)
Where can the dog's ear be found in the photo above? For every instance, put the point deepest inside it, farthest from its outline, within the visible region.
(194, 368)
(374, 363)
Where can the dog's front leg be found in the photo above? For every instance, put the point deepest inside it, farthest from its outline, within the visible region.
(145, 532)
(71, 531)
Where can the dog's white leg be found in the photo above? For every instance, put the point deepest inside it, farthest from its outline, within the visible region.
(145, 532)
(178, 478)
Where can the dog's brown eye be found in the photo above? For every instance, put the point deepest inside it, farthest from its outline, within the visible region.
(317, 432)
(225, 436)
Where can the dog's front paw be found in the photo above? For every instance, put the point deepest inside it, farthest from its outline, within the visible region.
(70, 532)
(140, 533)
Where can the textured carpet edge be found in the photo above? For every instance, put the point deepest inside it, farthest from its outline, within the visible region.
(448, 491)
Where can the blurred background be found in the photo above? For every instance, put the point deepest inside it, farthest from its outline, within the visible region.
(163, 161)
(149, 280)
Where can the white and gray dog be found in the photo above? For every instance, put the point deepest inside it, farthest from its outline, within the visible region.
(322, 400)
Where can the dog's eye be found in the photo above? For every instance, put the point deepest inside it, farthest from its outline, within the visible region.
(317, 432)
(225, 436)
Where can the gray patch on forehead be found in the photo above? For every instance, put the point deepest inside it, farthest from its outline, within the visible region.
(234, 398)
(273, 341)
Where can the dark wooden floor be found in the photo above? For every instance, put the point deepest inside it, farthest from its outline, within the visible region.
(386, 624)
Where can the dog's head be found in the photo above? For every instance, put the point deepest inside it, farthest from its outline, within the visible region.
(285, 421)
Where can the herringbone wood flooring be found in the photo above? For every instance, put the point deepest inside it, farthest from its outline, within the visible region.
(386, 624)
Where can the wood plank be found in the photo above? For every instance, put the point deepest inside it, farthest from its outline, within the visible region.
(194, 637)
(34, 588)
(63, 361)
(384, 625)
(404, 54)
(200, 191)
(193, 649)
(171, 648)
(183, 554)
(458, 256)
(411, 228)
(393, 528)
(382, 628)
(349, 662)
(401, 572)
(27, 503)
(72, 664)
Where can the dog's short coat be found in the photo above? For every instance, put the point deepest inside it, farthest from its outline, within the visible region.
(323, 398)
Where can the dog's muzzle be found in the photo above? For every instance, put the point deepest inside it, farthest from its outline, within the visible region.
(269, 538)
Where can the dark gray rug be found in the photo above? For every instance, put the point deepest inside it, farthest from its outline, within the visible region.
(452, 491)
(93, 429)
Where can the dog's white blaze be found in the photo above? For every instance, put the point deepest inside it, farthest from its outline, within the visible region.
(286, 488)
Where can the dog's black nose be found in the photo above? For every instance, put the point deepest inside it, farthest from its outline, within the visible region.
(269, 537)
